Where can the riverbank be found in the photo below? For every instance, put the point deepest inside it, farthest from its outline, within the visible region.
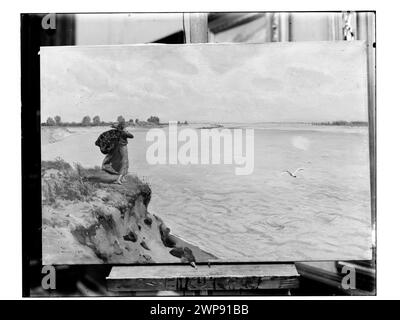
(54, 134)
(88, 219)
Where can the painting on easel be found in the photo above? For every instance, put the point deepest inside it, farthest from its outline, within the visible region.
(196, 153)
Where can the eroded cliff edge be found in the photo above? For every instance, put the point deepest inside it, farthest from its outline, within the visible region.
(88, 219)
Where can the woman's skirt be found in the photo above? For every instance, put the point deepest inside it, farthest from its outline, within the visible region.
(123, 149)
(116, 162)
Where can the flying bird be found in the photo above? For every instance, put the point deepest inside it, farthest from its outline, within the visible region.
(294, 173)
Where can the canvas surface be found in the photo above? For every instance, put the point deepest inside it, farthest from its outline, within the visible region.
(266, 110)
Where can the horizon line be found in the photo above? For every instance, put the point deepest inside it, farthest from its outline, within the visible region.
(215, 122)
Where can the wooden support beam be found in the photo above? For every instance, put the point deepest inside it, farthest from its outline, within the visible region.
(335, 30)
(284, 26)
(215, 278)
(196, 27)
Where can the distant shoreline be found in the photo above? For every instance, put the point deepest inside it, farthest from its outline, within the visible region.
(341, 123)
(136, 125)
(79, 125)
(211, 124)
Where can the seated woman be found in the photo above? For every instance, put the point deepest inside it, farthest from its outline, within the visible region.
(116, 161)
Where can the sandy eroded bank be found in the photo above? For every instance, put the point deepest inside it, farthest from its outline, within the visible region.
(88, 219)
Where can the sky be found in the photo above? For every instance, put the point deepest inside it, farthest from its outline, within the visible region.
(303, 81)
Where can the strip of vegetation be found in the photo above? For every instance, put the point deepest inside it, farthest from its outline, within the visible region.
(342, 123)
(96, 121)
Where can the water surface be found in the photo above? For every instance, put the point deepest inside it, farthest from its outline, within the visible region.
(268, 215)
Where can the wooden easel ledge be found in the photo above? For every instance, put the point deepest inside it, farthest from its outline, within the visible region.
(216, 277)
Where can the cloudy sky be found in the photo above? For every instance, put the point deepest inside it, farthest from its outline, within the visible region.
(308, 81)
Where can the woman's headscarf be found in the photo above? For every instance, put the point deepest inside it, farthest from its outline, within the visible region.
(119, 126)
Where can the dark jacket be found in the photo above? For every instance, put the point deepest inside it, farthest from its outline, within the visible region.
(123, 139)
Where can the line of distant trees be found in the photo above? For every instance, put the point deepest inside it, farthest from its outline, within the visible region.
(96, 121)
(341, 123)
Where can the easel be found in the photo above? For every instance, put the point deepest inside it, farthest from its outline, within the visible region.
(217, 279)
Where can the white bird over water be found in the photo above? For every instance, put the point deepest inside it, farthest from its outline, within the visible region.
(294, 174)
